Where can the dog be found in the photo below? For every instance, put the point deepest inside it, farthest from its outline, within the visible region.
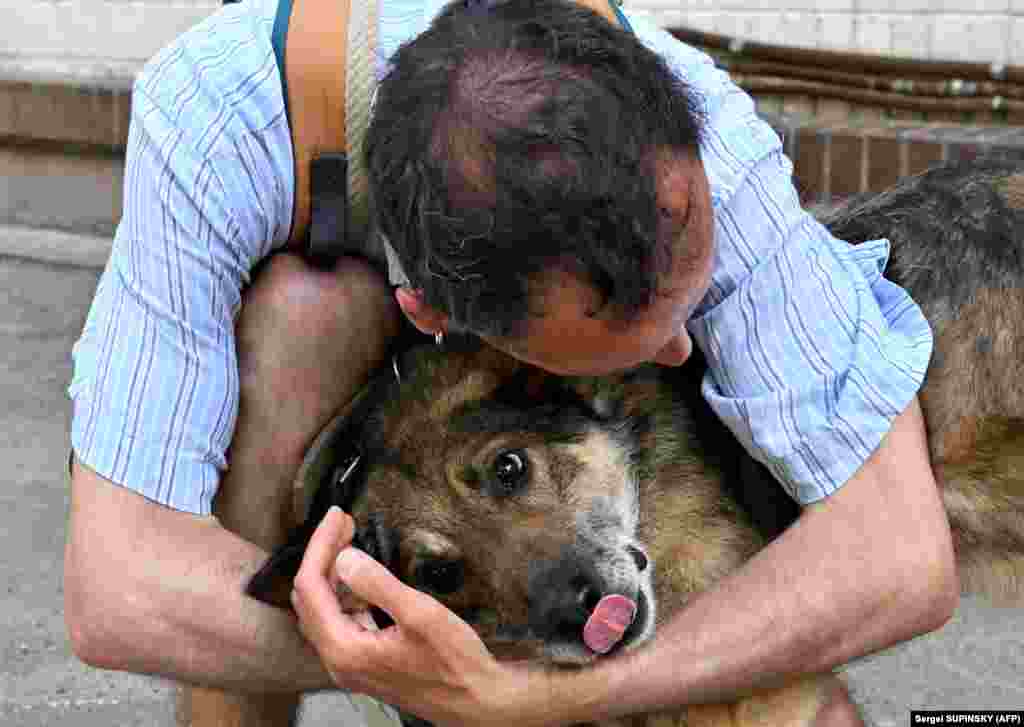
(566, 518)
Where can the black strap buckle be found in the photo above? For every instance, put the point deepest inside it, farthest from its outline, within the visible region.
(328, 224)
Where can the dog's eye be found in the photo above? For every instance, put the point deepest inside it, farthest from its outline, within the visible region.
(510, 469)
(439, 576)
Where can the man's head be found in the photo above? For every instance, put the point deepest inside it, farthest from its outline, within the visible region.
(536, 169)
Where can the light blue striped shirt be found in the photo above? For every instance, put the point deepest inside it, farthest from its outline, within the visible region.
(812, 353)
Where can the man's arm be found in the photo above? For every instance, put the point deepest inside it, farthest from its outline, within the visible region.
(153, 590)
(870, 566)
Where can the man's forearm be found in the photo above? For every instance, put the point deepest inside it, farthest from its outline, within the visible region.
(157, 591)
(867, 568)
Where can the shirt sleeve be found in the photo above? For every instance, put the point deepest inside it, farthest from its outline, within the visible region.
(155, 382)
(811, 352)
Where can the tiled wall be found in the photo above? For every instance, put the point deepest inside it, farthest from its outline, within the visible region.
(974, 30)
(89, 38)
(68, 36)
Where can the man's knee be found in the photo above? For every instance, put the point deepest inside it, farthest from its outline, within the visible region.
(299, 324)
(307, 340)
(290, 298)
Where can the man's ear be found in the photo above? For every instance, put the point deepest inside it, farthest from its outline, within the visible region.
(425, 318)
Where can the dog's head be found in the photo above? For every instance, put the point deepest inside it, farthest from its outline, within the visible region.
(511, 496)
(514, 497)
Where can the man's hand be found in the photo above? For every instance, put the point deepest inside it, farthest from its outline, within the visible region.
(430, 662)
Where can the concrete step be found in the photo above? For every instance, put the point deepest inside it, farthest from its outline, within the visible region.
(52, 246)
(75, 188)
(62, 141)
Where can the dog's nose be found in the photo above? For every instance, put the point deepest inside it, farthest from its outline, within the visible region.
(562, 599)
(588, 596)
(571, 602)
(638, 557)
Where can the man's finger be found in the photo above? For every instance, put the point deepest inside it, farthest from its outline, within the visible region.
(430, 629)
(314, 598)
(334, 533)
(375, 584)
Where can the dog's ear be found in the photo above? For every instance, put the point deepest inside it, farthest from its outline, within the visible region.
(272, 583)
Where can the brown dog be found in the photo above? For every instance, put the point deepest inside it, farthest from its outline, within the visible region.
(567, 518)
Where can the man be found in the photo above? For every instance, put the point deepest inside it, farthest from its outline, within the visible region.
(647, 228)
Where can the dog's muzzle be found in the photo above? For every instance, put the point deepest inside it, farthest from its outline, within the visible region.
(572, 602)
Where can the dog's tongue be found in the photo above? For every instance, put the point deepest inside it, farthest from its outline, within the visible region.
(608, 622)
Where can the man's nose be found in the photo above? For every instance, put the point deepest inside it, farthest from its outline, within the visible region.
(676, 351)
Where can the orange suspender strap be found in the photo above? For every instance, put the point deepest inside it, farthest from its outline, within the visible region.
(325, 50)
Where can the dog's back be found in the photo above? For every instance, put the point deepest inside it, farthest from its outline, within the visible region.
(957, 235)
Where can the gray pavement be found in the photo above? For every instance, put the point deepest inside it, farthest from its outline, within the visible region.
(976, 662)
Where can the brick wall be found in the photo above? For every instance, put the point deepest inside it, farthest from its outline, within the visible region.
(97, 37)
(835, 161)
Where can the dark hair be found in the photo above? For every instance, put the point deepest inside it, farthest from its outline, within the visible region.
(518, 139)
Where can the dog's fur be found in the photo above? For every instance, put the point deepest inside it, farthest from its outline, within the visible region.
(518, 498)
